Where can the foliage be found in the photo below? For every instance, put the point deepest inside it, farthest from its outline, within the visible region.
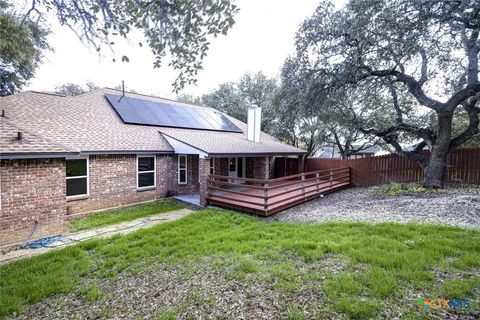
(73, 89)
(251, 90)
(181, 29)
(227, 99)
(309, 118)
(114, 216)
(379, 266)
(398, 189)
(22, 44)
(420, 55)
(188, 98)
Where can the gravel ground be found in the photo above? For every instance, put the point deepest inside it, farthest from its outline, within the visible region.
(456, 206)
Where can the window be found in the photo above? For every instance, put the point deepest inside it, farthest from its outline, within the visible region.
(77, 177)
(146, 172)
(182, 169)
(212, 166)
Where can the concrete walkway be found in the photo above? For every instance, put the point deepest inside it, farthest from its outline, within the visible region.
(102, 232)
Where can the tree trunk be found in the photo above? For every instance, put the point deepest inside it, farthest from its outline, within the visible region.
(436, 169)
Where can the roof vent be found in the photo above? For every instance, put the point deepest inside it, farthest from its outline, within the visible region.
(20, 135)
(3, 113)
(253, 121)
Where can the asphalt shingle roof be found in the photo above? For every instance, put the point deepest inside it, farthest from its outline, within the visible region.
(30, 142)
(88, 123)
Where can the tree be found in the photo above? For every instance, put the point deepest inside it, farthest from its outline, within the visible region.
(188, 98)
(295, 123)
(420, 54)
(310, 119)
(73, 89)
(251, 90)
(70, 89)
(181, 29)
(226, 98)
(21, 48)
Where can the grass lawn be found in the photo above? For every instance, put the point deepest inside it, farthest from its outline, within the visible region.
(224, 264)
(129, 213)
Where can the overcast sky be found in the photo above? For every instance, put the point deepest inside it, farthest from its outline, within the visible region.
(260, 40)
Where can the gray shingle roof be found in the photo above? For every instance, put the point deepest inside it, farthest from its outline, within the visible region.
(30, 142)
(88, 123)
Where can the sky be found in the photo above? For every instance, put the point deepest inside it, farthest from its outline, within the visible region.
(261, 39)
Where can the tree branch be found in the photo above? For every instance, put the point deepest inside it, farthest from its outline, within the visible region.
(414, 87)
(414, 156)
(473, 125)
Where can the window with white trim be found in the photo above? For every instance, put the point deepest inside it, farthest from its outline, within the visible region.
(212, 166)
(77, 177)
(146, 166)
(182, 169)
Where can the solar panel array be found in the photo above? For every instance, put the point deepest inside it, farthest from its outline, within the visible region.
(164, 114)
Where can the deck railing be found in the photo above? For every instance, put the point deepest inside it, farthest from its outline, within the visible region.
(271, 195)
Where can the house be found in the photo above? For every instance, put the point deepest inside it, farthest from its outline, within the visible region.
(67, 156)
(332, 152)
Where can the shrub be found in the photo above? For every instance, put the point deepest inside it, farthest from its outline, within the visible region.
(396, 189)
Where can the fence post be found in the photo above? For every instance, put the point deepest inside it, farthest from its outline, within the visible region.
(317, 181)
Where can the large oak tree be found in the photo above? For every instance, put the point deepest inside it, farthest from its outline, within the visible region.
(181, 30)
(420, 54)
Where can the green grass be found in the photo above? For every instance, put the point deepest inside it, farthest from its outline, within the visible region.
(383, 264)
(113, 216)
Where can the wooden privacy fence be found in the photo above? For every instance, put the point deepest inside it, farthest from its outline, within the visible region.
(267, 196)
(463, 166)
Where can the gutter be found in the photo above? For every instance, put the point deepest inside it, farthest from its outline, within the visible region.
(46, 155)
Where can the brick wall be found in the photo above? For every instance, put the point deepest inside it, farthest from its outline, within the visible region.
(192, 186)
(204, 168)
(36, 190)
(113, 182)
(257, 168)
(32, 190)
(221, 166)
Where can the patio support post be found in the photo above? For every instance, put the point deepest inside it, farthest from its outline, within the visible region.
(301, 163)
(204, 172)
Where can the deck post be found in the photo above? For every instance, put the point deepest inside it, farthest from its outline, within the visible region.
(303, 185)
(317, 181)
(331, 178)
(265, 197)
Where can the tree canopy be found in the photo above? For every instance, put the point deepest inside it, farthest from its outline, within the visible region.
(180, 29)
(21, 48)
(414, 62)
(252, 89)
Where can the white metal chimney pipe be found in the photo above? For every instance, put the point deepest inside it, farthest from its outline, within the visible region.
(254, 121)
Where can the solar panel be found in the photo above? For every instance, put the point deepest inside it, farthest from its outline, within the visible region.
(164, 114)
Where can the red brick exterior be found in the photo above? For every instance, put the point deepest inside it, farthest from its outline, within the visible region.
(256, 167)
(204, 167)
(32, 190)
(113, 183)
(192, 186)
(36, 189)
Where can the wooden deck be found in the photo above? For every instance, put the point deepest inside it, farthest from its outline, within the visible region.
(268, 196)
